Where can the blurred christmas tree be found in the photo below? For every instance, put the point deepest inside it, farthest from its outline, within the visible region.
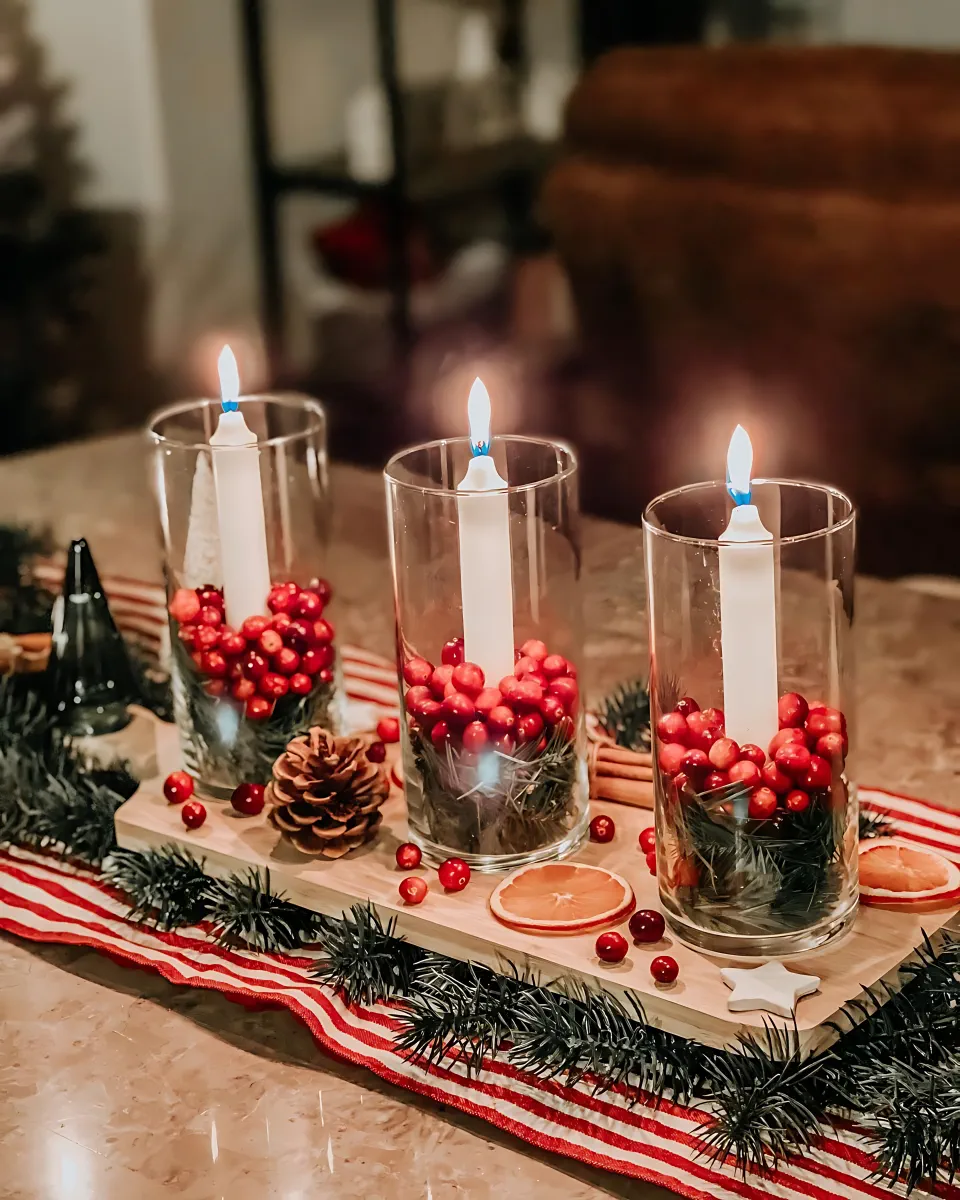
(48, 248)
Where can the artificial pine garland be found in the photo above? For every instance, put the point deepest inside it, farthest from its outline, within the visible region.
(896, 1071)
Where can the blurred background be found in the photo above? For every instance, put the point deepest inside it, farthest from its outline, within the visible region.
(639, 222)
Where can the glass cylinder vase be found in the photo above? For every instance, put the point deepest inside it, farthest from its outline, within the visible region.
(751, 688)
(249, 671)
(489, 642)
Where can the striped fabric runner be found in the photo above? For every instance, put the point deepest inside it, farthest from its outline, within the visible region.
(48, 901)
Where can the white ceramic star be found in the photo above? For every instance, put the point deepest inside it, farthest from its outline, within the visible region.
(771, 987)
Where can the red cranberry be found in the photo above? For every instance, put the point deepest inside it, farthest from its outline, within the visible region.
(752, 753)
(672, 727)
(452, 653)
(298, 636)
(325, 675)
(273, 685)
(535, 649)
(270, 642)
(322, 588)
(832, 746)
(527, 694)
(208, 594)
(664, 969)
(695, 764)
(415, 697)
(723, 753)
(715, 718)
(566, 689)
(206, 637)
(468, 678)
(253, 627)
(323, 632)
(529, 727)
(504, 743)
(602, 828)
(775, 779)
(647, 925)
(417, 672)
(193, 814)
(255, 665)
(785, 737)
(439, 680)
(177, 787)
(652, 861)
(670, 756)
(793, 759)
(388, 729)
(475, 737)
(441, 734)
(697, 725)
(185, 605)
(553, 666)
(317, 659)
(566, 729)
(648, 839)
(215, 687)
(508, 688)
(413, 890)
(677, 785)
(612, 947)
(281, 599)
(797, 801)
(309, 605)
(501, 720)
(552, 710)
(714, 780)
(745, 773)
(409, 856)
(186, 634)
(248, 798)
(686, 705)
(458, 710)
(231, 643)
(243, 689)
(827, 721)
(286, 661)
(300, 684)
(214, 664)
(763, 804)
(818, 775)
(486, 700)
(258, 708)
(454, 874)
(211, 616)
(527, 666)
(792, 710)
(281, 623)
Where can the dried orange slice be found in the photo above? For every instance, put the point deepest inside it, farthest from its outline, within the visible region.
(898, 874)
(561, 898)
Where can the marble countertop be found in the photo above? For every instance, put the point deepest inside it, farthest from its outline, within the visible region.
(114, 1083)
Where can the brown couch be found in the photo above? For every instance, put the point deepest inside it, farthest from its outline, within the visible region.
(771, 235)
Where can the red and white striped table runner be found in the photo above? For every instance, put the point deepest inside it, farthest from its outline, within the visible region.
(44, 900)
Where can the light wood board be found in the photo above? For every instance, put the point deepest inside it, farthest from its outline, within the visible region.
(460, 925)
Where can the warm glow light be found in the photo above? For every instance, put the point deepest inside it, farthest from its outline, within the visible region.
(229, 380)
(739, 466)
(478, 413)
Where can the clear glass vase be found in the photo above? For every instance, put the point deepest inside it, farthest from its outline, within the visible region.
(489, 641)
(249, 671)
(752, 696)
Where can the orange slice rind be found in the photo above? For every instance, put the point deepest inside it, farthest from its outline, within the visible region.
(898, 874)
(561, 897)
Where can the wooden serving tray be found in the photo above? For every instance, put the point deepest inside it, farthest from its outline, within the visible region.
(461, 925)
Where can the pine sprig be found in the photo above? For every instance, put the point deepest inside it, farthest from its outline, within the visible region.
(874, 825)
(165, 888)
(243, 910)
(365, 962)
(625, 715)
(766, 1102)
(457, 1010)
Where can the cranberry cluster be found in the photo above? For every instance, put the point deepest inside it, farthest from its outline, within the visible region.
(453, 706)
(802, 763)
(268, 657)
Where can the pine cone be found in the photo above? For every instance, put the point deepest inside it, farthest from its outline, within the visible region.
(325, 795)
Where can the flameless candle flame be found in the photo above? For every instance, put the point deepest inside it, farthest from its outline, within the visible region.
(230, 380)
(478, 414)
(739, 466)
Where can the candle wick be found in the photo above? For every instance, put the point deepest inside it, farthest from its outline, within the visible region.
(736, 495)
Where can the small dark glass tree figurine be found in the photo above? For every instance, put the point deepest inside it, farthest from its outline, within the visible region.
(89, 679)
